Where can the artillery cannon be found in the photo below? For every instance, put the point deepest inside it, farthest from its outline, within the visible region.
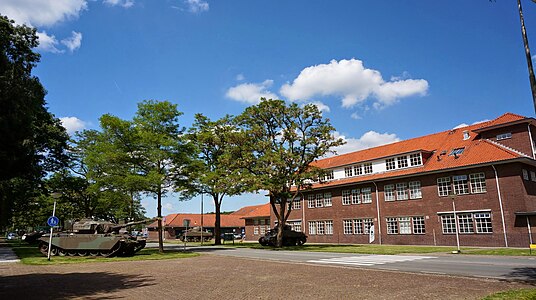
(290, 237)
(94, 238)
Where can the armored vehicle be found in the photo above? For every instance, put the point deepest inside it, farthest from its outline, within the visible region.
(93, 238)
(194, 235)
(290, 237)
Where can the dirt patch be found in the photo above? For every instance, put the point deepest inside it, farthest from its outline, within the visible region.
(218, 277)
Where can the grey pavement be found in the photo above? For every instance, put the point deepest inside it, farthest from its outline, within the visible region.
(493, 267)
(7, 255)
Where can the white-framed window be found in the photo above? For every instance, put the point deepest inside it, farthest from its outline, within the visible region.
(356, 197)
(525, 174)
(392, 226)
(483, 222)
(310, 201)
(319, 200)
(312, 227)
(418, 225)
(478, 182)
(358, 170)
(402, 191)
(402, 161)
(329, 175)
(347, 226)
(367, 223)
(255, 230)
(504, 136)
(348, 171)
(389, 192)
(296, 204)
(390, 164)
(320, 227)
(327, 199)
(415, 190)
(263, 230)
(460, 184)
(346, 198)
(295, 225)
(366, 194)
(329, 226)
(415, 159)
(358, 226)
(465, 222)
(404, 224)
(448, 223)
(368, 168)
(443, 186)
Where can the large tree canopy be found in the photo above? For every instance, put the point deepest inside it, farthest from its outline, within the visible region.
(32, 139)
(279, 144)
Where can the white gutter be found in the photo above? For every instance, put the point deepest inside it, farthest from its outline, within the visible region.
(531, 142)
(378, 210)
(501, 205)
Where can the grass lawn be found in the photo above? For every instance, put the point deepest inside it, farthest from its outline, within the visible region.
(522, 294)
(29, 254)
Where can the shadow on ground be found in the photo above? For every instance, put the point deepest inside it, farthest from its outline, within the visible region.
(70, 285)
(525, 274)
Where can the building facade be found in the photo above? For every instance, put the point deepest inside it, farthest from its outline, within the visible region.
(478, 181)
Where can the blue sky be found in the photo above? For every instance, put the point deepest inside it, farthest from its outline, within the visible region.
(381, 70)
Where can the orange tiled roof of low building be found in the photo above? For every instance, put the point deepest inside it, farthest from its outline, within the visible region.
(259, 211)
(176, 220)
(476, 151)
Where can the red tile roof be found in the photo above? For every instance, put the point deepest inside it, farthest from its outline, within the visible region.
(477, 151)
(176, 220)
(259, 211)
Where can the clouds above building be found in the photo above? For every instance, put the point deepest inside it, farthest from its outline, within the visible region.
(197, 6)
(121, 3)
(72, 124)
(251, 93)
(368, 140)
(353, 83)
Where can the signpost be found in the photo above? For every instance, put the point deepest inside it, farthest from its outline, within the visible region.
(52, 221)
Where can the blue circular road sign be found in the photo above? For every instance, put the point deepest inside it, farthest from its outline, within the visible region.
(53, 221)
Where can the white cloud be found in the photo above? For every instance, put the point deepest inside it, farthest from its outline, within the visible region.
(72, 124)
(47, 43)
(168, 207)
(197, 6)
(240, 77)
(122, 3)
(321, 106)
(251, 93)
(368, 140)
(351, 81)
(42, 12)
(73, 42)
(356, 116)
(474, 123)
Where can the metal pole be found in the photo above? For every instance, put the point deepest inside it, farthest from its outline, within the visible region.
(528, 227)
(51, 231)
(201, 219)
(456, 224)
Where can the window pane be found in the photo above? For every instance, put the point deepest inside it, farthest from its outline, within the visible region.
(389, 192)
(415, 190)
(418, 225)
(401, 191)
(392, 226)
(405, 225)
(327, 199)
(367, 195)
(390, 164)
(448, 224)
(478, 183)
(465, 222)
(346, 200)
(319, 200)
(402, 161)
(460, 184)
(443, 186)
(356, 198)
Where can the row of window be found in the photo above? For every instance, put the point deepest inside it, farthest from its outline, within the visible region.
(357, 196)
(401, 162)
(400, 191)
(461, 184)
(357, 170)
(476, 222)
(260, 230)
(319, 200)
(526, 175)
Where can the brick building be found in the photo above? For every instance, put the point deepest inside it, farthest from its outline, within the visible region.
(257, 221)
(406, 190)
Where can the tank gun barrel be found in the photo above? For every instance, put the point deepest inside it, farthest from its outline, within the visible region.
(119, 226)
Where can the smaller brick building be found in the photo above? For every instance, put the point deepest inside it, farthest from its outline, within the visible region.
(174, 224)
(257, 221)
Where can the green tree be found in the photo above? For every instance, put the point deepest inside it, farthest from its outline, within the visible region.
(33, 140)
(278, 146)
(214, 173)
(151, 149)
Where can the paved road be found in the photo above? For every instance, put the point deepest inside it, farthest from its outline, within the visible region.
(495, 267)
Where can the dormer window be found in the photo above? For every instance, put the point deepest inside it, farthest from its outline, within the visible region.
(390, 164)
(504, 136)
(368, 168)
(415, 159)
(466, 135)
(402, 161)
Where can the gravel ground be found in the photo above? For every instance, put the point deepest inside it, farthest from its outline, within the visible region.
(217, 277)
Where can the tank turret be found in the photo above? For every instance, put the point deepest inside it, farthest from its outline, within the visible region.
(290, 237)
(90, 237)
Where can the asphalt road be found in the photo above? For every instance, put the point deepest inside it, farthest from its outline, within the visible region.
(493, 267)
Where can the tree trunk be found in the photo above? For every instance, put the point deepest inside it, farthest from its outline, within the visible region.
(527, 54)
(159, 212)
(217, 222)
(281, 222)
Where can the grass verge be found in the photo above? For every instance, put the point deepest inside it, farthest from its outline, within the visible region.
(30, 255)
(522, 294)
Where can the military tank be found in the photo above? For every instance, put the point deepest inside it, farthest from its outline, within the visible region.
(93, 238)
(290, 237)
(194, 235)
